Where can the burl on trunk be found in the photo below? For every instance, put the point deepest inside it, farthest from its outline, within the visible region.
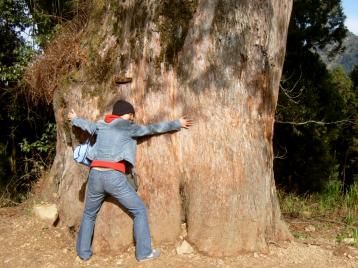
(218, 62)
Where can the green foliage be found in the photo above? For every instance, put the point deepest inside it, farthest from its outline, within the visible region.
(13, 73)
(47, 15)
(37, 155)
(332, 203)
(316, 152)
(14, 15)
(343, 84)
(14, 53)
(293, 205)
(316, 23)
(351, 233)
(344, 144)
(45, 144)
(331, 195)
(28, 145)
(313, 153)
(27, 139)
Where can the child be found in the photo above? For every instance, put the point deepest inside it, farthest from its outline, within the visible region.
(112, 154)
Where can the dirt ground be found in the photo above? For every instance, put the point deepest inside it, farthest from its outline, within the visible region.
(25, 241)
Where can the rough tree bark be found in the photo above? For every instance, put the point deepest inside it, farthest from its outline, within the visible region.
(218, 62)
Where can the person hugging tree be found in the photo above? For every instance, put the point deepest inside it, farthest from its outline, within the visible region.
(113, 153)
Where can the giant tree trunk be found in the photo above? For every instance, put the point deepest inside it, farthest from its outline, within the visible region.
(218, 62)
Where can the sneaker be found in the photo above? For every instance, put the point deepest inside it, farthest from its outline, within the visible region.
(80, 260)
(154, 255)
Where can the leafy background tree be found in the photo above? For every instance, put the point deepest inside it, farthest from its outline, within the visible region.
(317, 108)
(47, 16)
(27, 144)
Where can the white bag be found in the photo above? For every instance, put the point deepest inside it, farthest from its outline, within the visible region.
(80, 154)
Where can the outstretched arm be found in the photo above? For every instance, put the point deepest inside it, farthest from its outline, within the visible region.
(81, 123)
(162, 127)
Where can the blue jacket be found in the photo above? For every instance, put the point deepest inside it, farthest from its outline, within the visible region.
(117, 140)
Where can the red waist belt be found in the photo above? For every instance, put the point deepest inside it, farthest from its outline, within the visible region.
(120, 166)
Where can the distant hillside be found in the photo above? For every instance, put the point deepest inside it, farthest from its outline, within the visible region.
(348, 58)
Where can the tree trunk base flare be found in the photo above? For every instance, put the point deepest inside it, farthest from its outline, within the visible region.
(220, 63)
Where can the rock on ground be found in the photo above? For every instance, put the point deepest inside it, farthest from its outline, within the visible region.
(46, 212)
(184, 248)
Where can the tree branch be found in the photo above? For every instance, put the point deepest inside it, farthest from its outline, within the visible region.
(289, 92)
(322, 123)
(282, 156)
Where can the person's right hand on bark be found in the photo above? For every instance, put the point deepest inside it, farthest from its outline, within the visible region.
(185, 122)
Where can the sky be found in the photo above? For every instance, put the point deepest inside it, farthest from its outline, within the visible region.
(350, 9)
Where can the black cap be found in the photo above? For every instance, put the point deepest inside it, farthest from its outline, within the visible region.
(122, 107)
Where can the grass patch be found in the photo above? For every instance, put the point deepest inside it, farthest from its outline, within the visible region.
(332, 205)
